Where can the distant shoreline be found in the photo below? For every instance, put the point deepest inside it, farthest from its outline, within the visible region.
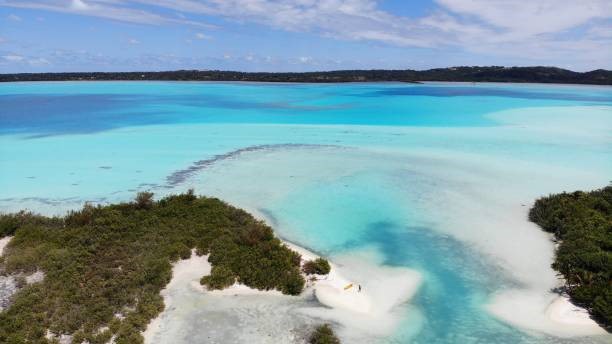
(542, 75)
(288, 83)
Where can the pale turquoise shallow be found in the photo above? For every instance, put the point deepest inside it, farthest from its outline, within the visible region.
(411, 171)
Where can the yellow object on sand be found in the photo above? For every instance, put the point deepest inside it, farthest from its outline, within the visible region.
(348, 286)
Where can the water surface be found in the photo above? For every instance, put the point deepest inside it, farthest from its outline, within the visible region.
(435, 177)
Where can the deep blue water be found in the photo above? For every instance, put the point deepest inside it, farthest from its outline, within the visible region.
(93, 107)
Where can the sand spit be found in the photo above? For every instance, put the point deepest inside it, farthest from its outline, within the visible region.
(343, 293)
(184, 272)
(370, 313)
(343, 303)
(563, 311)
(547, 313)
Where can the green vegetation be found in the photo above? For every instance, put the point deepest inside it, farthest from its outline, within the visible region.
(318, 266)
(473, 74)
(582, 224)
(100, 261)
(323, 334)
(220, 277)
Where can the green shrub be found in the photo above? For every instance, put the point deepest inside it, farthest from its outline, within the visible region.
(144, 200)
(9, 223)
(294, 283)
(220, 277)
(323, 334)
(582, 224)
(318, 266)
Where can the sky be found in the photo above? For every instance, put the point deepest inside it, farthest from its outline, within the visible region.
(301, 35)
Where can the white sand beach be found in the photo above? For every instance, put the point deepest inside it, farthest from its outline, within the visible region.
(339, 294)
(342, 293)
(372, 312)
(563, 311)
(547, 313)
(184, 273)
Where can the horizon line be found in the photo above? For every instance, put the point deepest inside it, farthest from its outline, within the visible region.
(317, 71)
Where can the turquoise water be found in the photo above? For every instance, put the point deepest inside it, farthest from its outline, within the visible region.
(433, 177)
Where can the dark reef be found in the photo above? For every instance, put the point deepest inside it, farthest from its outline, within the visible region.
(180, 176)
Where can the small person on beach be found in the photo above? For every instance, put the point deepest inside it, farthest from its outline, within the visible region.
(359, 288)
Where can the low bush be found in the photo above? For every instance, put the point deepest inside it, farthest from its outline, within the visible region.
(318, 266)
(220, 277)
(323, 334)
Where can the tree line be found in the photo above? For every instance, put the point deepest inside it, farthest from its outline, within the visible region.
(464, 73)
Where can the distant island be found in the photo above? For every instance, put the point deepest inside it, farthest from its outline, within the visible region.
(457, 74)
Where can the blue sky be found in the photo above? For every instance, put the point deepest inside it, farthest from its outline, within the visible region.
(301, 35)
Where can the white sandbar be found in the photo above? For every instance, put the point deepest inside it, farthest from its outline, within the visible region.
(548, 313)
(382, 290)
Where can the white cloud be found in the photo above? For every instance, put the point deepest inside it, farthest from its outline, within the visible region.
(110, 9)
(79, 5)
(39, 61)
(133, 41)
(541, 31)
(604, 31)
(13, 58)
(391, 38)
(534, 16)
(201, 36)
(464, 24)
(13, 17)
(336, 18)
(550, 32)
(305, 59)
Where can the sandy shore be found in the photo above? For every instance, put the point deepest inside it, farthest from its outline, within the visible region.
(338, 291)
(3, 242)
(334, 290)
(184, 272)
(382, 288)
(562, 311)
(372, 313)
(547, 313)
(339, 294)
(371, 310)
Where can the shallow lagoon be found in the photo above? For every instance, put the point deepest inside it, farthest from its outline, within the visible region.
(435, 177)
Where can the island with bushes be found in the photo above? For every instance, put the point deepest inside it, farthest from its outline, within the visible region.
(539, 74)
(104, 266)
(581, 223)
